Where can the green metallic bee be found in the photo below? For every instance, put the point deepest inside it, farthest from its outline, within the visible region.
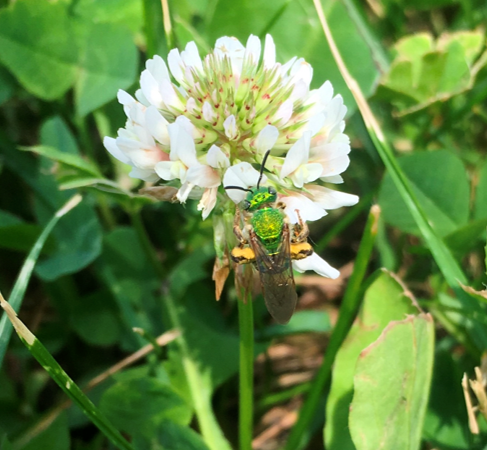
(270, 246)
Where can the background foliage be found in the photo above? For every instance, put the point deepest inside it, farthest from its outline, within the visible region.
(421, 64)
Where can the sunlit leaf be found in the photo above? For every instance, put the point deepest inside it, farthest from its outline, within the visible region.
(391, 386)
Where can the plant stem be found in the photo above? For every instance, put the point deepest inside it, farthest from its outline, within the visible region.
(246, 382)
(300, 433)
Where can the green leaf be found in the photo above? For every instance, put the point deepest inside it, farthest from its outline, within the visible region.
(138, 406)
(391, 386)
(441, 185)
(7, 85)
(4, 442)
(37, 45)
(95, 321)
(480, 205)
(169, 436)
(78, 244)
(446, 423)
(54, 437)
(108, 63)
(466, 238)
(301, 322)
(123, 12)
(55, 133)
(425, 72)
(71, 160)
(385, 300)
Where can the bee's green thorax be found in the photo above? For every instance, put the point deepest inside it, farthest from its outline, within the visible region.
(267, 224)
(259, 198)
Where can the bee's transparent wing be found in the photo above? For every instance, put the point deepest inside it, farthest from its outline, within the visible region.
(276, 276)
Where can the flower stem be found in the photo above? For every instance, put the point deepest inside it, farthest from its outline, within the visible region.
(246, 382)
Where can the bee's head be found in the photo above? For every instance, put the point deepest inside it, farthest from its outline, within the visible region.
(259, 197)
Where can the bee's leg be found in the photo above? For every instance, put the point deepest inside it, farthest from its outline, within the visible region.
(242, 254)
(237, 230)
(300, 230)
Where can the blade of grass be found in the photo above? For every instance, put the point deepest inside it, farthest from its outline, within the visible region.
(300, 433)
(20, 286)
(56, 372)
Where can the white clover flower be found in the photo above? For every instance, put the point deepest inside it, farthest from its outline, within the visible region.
(210, 125)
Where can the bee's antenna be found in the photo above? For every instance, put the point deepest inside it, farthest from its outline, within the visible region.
(262, 167)
(240, 188)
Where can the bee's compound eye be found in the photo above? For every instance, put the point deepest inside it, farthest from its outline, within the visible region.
(246, 204)
(271, 190)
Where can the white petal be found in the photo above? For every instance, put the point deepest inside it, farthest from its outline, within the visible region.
(182, 144)
(318, 264)
(230, 126)
(157, 67)
(243, 175)
(191, 105)
(308, 210)
(169, 95)
(166, 170)
(300, 91)
(315, 123)
(184, 191)
(335, 179)
(124, 98)
(203, 176)
(314, 171)
(208, 202)
(266, 138)
(336, 166)
(111, 145)
(175, 64)
(232, 49)
(301, 70)
(216, 158)
(269, 52)
(330, 199)
(285, 67)
(298, 154)
(150, 89)
(284, 112)
(143, 174)
(252, 51)
(139, 95)
(157, 125)
(208, 113)
(191, 56)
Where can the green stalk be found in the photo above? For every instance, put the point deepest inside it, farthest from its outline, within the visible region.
(300, 434)
(57, 373)
(246, 381)
(22, 281)
(200, 394)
